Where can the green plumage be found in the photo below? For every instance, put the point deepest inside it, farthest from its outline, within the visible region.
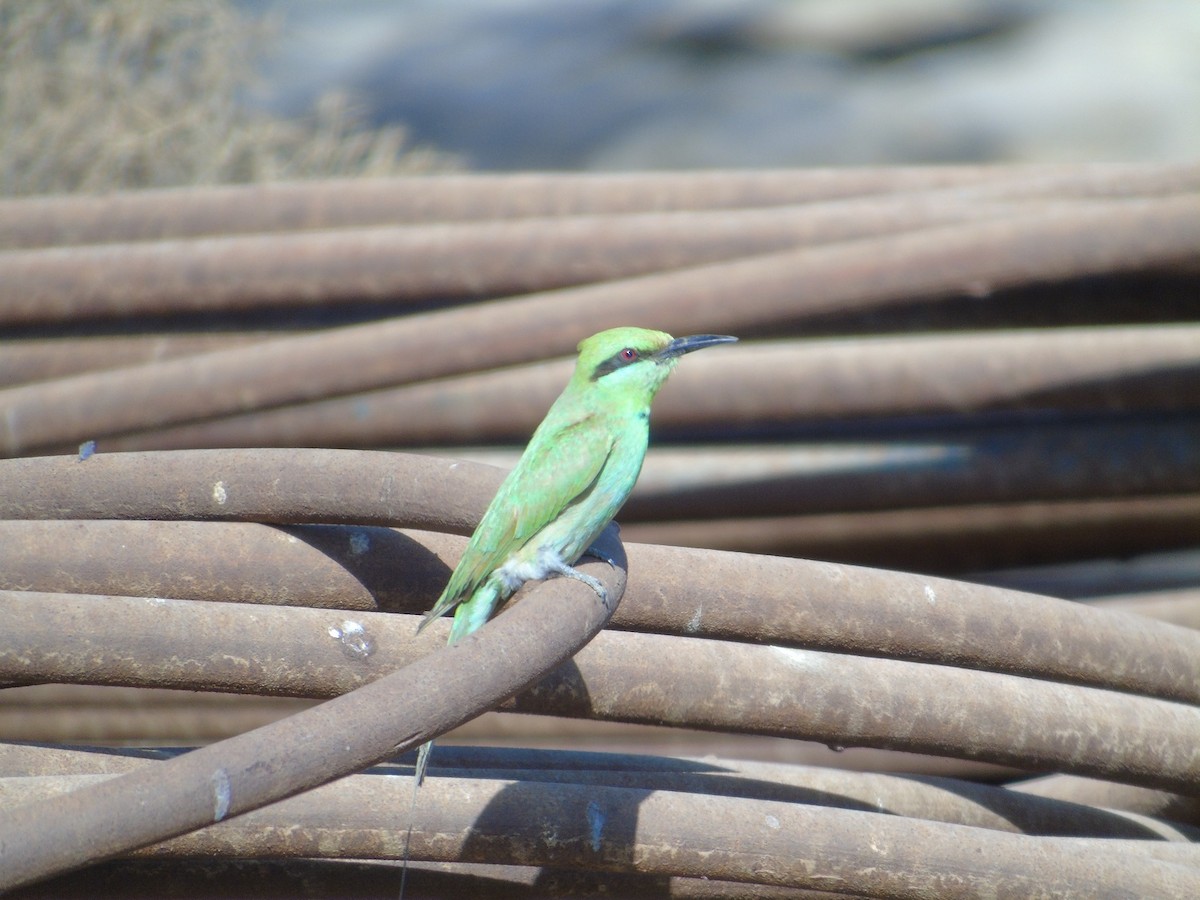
(575, 474)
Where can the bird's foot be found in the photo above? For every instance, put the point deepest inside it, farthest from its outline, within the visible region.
(594, 584)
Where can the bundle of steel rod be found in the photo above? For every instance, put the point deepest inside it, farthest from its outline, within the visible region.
(961, 373)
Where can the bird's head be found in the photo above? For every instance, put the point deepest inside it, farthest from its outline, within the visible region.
(635, 360)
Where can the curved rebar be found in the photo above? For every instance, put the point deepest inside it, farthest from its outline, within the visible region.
(758, 387)
(263, 485)
(1110, 794)
(340, 203)
(399, 710)
(403, 264)
(952, 539)
(692, 592)
(276, 571)
(720, 685)
(725, 838)
(1099, 237)
(949, 800)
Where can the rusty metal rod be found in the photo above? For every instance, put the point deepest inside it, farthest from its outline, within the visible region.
(335, 567)
(400, 265)
(932, 467)
(649, 744)
(1112, 457)
(90, 715)
(775, 384)
(912, 616)
(927, 466)
(1105, 236)
(1179, 607)
(372, 487)
(728, 838)
(702, 594)
(937, 799)
(56, 351)
(1089, 579)
(932, 798)
(367, 803)
(951, 539)
(356, 202)
(1111, 795)
(103, 714)
(143, 878)
(360, 568)
(263, 485)
(35, 359)
(855, 701)
(708, 684)
(310, 748)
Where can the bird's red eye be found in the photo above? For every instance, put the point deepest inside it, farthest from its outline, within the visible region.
(629, 354)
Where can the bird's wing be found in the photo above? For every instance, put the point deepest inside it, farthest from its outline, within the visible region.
(552, 474)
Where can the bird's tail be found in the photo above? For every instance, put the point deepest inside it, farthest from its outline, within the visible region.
(422, 763)
(443, 605)
(419, 776)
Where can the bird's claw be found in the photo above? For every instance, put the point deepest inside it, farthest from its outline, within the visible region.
(591, 582)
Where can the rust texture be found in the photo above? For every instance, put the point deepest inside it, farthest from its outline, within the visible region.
(944, 372)
(635, 824)
(847, 699)
(352, 731)
(178, 213)
(725, 596)
(1025, 810)
(1083, 370)
(1099, 237)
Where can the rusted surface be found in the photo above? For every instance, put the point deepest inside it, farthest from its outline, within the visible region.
(720, 685)
(130, 716)
(1101, 237)
(760, 386)
(1179, 607)
(953, 539)
(673, 590)
(37, 359)
(400, 264)
(176, 213)
(1108, 794)
(942, 370)
(280, 487)
(1019, 810)
(338, 567)
(400, 710)
(726, 838)
(964, 538)
(210, 879)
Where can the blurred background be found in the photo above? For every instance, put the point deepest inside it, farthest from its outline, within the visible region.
(631, 84)
(242, 91)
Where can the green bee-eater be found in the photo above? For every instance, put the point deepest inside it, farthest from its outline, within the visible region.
(576, 472)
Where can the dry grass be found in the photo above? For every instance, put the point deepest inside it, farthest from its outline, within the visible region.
(132, 93)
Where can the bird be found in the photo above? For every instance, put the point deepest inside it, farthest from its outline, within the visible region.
(575, 474)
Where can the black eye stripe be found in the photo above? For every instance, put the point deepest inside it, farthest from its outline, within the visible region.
(618, 360)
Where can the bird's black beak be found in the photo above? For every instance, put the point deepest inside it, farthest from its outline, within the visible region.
(682, 345)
